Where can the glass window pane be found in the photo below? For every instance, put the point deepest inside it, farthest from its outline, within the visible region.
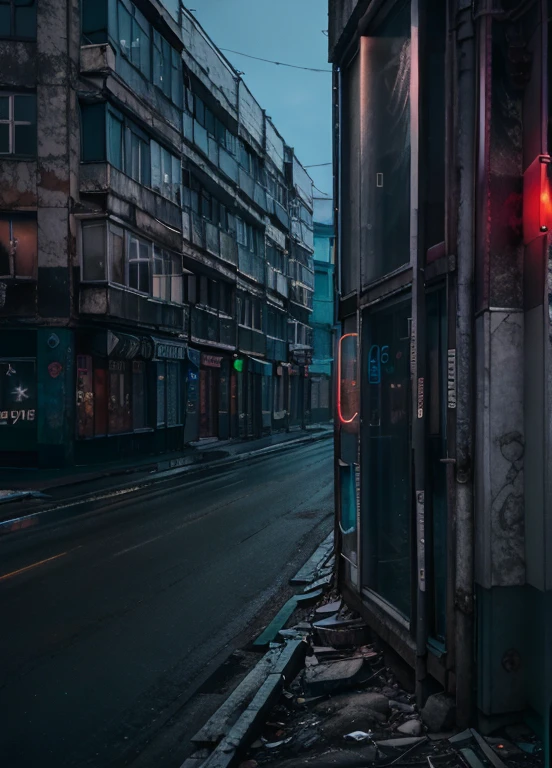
(155, 150)
(386, 457)
(145, 54)
(176, 79)
(4, 106)
(144, 277)
(5, 20)
(124, 30)
(25, 139)
(4, 138)
(134, 157)
(93, 132)
(133, 275)
(199, 111)
(25, 22)
(94, 20)
(115, 155)
(388, 166)
(25, 235)
(161, 384)
(145, 164)
(5, 248)
(117, 257)
(93, 252)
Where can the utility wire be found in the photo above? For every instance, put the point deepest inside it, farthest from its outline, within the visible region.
(317, 165)
(278, 63)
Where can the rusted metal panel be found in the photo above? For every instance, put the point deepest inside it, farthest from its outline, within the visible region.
(251, 116)
(274, 145)
(208, 65)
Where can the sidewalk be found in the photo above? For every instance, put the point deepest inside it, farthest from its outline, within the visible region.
(15, 482)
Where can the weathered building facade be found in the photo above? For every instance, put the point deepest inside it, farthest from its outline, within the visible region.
(444, 433)
(148, 209)
(323, 316)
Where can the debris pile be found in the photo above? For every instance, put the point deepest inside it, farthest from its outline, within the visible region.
(346, 708)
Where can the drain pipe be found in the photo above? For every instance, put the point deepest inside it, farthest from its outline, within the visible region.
(465, 151)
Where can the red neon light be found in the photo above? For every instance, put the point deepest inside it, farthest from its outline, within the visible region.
(339, 413)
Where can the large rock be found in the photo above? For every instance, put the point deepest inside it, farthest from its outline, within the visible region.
(439, 713)
(374, 702)
(350, 718)
(332, 677)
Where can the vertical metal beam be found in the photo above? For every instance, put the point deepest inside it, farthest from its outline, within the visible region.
(418, 362)
(465, 76)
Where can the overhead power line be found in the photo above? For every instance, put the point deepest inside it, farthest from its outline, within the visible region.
(317, 165)
(278, 63)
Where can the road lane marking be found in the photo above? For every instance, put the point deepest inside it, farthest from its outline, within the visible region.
(34, 565)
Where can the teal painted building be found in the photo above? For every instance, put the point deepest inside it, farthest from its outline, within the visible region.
(321, 369)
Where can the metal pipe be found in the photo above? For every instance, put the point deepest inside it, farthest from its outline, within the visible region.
(465, 236)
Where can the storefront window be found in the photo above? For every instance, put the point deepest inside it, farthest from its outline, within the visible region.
(386, 455)
(173, 395)
(161, 384)
(139, 395)
(85, 396)
(119, 411)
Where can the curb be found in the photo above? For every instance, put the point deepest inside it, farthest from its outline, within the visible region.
(288, 664)
(62, 511)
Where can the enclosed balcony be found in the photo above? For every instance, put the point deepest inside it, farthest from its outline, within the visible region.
(251, 341)
(208, 327)
(115, 301)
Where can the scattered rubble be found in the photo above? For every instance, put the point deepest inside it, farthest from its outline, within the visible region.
(344, 708)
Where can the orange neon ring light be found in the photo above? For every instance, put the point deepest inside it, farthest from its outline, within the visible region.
(339, 413)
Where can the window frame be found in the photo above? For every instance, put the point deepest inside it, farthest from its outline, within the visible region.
(11, 122)
(12, 35)
(12, 217)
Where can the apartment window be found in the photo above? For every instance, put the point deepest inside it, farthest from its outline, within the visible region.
(225, 305)
(95, 21)
(167, 275)
(137, 155)
(18, 19)
(18, 246)
(167, 69)
(166, 173)
(249, 237)
(94, 254)
(139, 264)
(18, 124)
(134, 37)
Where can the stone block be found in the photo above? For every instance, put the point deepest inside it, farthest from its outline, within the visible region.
(332, 677)
(439, 712)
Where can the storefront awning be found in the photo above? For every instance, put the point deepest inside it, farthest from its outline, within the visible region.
(260, 366)
(121, 346)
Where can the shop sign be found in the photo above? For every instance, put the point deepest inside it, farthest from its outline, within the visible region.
(167, 350)
(211, 361)
(17, 393)
(451, 378)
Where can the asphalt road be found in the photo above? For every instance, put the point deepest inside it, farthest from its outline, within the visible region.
(109, 621)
